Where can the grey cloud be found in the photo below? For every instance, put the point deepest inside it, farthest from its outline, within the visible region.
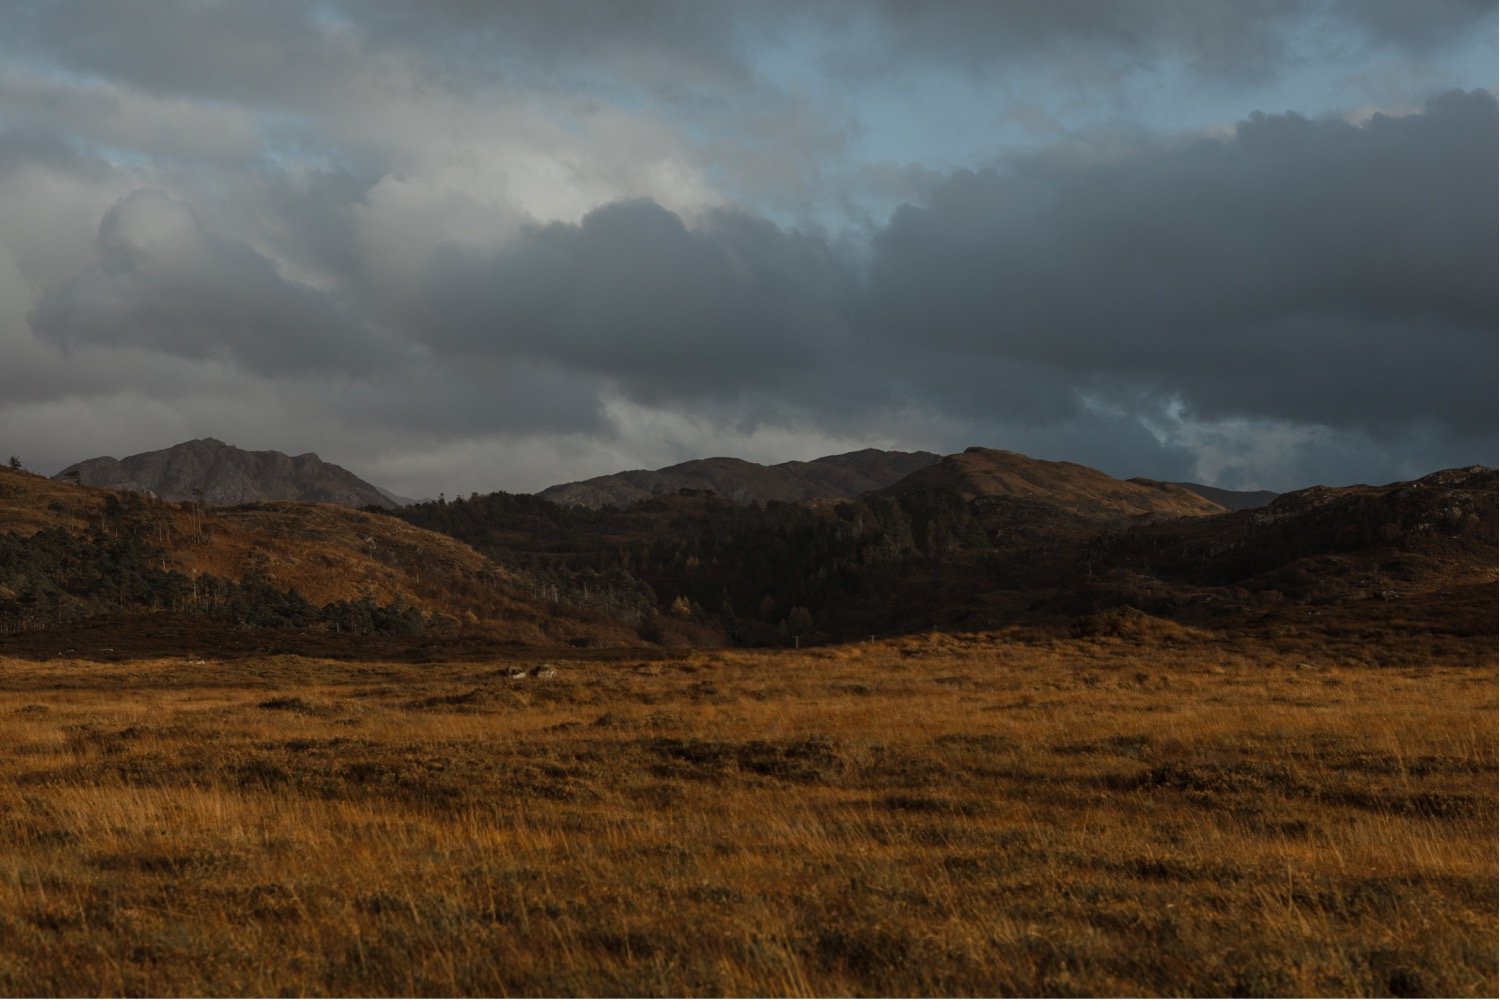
(161, 280)
(120, 117)
(285, 54)
(1415, 25)
(456, 397)
(1313, 270)
(1307, 272)
(1332, 278)
(632, 293)
(271, 52)
(1233, 40)
(312, 220)
(33, 148)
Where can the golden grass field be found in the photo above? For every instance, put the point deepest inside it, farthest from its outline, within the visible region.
(1002, 813)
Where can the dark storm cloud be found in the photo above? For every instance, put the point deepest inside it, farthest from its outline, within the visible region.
(669, 312)
(160, 280)
(1315, 271)
(1322, 272)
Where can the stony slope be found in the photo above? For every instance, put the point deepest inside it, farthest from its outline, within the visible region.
(987, 473)
(228, 475)
(831, 477)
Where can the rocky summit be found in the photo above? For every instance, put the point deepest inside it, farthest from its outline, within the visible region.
(830, 477)
(228, 475)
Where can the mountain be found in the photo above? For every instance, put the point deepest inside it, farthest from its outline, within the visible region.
(1076, 490)
(832, 477)
(1232, 499)
(229, 475)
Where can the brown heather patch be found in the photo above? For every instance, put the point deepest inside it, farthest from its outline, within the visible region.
(327, 552)
(29, 503)
(324, 551)
(946, 814)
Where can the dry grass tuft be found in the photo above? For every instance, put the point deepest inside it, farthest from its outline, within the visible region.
(1001, 813)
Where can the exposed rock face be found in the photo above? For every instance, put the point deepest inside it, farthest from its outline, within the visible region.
(832, 477)
(987, 474)
(228, 475)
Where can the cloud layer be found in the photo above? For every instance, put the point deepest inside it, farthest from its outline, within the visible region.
(476, 247)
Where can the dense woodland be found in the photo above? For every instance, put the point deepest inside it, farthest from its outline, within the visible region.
(759, 571)
(884, 563)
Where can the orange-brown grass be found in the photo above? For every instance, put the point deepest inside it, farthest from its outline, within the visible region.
(327, 552)
(971, 814)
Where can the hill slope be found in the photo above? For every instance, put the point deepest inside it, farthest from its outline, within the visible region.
(228, 475)
(1232, 499)
(71, 552)
(1078, 490)
(831, 477)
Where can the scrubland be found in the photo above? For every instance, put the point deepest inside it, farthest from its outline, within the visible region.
(1001, 813)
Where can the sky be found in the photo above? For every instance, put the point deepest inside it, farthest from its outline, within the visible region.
(463, 246)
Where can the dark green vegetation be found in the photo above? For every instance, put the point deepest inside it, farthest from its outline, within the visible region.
(744, 568)
(753, 573)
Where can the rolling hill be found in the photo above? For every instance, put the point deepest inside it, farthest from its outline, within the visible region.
(1077, 490)
(831, 477)
(69, 552)
(1231, 499)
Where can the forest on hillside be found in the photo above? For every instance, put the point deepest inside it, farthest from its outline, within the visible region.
(888, 563)
(55, 577)
(759, 571)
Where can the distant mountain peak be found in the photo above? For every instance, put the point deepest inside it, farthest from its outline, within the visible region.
(978, 472)
(229, 475)
(1232, 499)
(830, 477)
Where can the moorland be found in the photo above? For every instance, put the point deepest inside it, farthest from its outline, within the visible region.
(1044, 733)
(1146, 810)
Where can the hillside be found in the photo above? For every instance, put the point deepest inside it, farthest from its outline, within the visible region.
(71, 552)
(981, 540)
(228, 475)
(1077, 490)
(831, 477)
(1331, 545)
(1231, 499)
(992, 539)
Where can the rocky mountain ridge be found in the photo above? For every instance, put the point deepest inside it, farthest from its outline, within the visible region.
(228, 475)
(831, 477)
(1077, 490)
(1232, 499)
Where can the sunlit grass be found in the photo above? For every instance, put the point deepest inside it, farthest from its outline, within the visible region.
(984, 814)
